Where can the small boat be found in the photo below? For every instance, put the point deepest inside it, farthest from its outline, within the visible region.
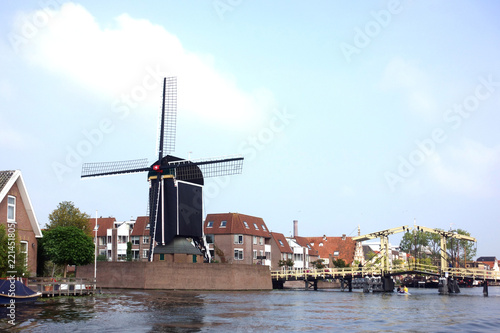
(15, 291)
(402, 293)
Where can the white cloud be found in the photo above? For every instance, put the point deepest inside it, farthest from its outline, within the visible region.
(468, 170)
(112, 61)
(415, 85)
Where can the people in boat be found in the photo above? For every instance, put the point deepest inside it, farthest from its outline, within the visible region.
(405, 290)
(399, 289)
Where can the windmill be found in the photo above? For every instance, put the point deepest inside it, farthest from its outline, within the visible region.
(175, 184)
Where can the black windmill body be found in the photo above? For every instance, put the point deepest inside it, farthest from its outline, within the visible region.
(175, 193)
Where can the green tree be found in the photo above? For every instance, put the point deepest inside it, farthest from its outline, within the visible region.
(413, 242)
(460, 250)
(129, 251)
(339, 263)
(66, 214)
(318, 264)
(10, 246)
(68, 246)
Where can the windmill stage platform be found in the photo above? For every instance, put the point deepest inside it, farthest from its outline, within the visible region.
(178, 276)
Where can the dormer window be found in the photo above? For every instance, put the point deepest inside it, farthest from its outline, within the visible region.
(223, 224)
(256, 227)
(281, 243)
(147, 227)
(263, 228)
(246, 224)
(210, 224)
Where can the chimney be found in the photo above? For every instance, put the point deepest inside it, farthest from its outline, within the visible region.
(343, 236)
(295, 228)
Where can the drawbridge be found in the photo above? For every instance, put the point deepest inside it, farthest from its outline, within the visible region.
(377, 274)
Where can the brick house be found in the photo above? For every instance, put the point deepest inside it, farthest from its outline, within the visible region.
(492, 262)
(140, 239)
(334, 248)
(280, 250)
(238, 239)
(16, 208)
(103, 224)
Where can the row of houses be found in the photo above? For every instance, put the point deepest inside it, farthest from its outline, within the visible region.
(232, 237)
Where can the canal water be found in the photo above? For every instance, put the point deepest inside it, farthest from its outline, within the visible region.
(265, 311)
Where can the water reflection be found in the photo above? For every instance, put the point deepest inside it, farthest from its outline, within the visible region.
(285, 310)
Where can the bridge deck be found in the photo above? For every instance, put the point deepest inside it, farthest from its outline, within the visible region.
(357, 272)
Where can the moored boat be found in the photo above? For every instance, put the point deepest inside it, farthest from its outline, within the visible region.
(15, 291)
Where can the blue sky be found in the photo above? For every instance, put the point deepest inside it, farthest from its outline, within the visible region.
(368, 113)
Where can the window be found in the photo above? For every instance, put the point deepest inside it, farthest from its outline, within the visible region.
(223, 224)
(246, 224)
(24, 250)
(238, 239)
(135, 240)
(210, 224)
(255, 240)
(162, 256)
(261, 241)
(264, 227)
(135, 255)
(261, 253)
(336, 253)
(256, 226)
(147, 227)
(238, 254)
(145, 239)
(209, 238)
(11, 208)
(281, 243)
(145, 253)
(109, 239)
(102, 240)
(255, 254)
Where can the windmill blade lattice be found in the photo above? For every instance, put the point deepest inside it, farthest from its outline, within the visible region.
(168, 117)
(211, 167)
(114, 168)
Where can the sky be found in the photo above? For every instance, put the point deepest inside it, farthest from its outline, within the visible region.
(374, 114)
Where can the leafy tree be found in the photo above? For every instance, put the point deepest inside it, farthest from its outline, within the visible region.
(461, 249)
(66, 214)
(6, 246)
(68, 246)
(339, 263)
(129, 251)
(412, 242)
(318, 264)
(287, 263)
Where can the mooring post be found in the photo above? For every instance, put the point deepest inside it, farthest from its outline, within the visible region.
(349, 283)
(485, 288)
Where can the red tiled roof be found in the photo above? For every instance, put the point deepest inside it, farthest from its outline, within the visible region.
(304, 242)
(235, 224)
(346, 247)
(140, 226)
(104, 224)
(283, 245)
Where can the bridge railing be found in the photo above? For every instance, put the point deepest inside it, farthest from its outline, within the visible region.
(342, 272)
(324, 273)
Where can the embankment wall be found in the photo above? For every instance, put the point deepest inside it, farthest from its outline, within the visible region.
(178, 276)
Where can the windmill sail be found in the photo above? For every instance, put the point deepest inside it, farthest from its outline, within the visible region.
(114, 168)
(175, 194)
(168, 117)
